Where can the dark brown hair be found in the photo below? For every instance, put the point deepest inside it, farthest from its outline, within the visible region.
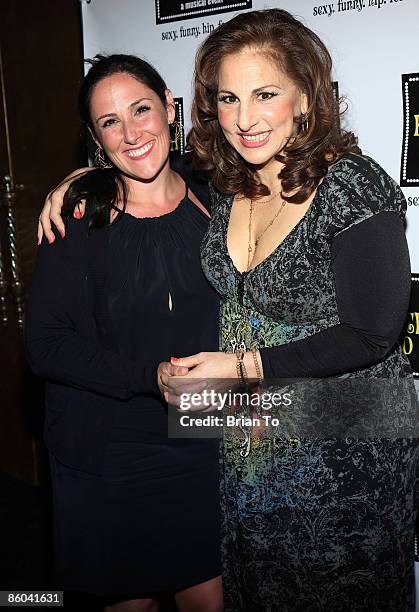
(298, 52)
(102, 188)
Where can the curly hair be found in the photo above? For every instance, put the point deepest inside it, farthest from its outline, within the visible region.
(302, 56)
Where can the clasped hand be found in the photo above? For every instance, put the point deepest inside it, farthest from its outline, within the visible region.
(211, 372)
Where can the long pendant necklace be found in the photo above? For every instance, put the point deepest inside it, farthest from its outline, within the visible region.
(243, 337)
(244, 327)
(262, 233)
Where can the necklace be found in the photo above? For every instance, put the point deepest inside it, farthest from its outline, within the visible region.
(257, 239)
(271, 198)
(243, 333)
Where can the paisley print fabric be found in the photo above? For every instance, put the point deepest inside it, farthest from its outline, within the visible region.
(313, 523)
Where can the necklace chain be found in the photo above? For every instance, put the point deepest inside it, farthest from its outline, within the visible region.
(243, 335)
(277, 193)
(271, 222)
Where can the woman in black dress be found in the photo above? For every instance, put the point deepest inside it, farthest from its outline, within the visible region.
(135, 512)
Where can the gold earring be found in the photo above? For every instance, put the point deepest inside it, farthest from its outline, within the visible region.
(100, 161)
(178, 131)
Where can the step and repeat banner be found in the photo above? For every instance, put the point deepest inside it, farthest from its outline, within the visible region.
(375, 47)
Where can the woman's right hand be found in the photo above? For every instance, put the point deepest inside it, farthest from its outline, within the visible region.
(51, 211)
(164, 372)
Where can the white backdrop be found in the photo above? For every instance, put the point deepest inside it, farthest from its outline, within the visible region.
(373, 43)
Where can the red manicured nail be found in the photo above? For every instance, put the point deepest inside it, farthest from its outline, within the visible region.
(174, 359)
(62, 234)
(77, 214)
(50, 240)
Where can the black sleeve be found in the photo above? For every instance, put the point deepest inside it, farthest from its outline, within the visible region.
(55, 348)
(371, 268)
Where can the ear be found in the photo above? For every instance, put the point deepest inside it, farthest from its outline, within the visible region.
(94, 137)
(303, 103)
(170, 106)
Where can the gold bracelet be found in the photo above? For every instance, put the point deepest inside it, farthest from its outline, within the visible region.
(240, 367)
(239, 357)
(257, 366)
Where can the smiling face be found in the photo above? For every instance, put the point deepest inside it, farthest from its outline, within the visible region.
(257, 106)
(131, 124)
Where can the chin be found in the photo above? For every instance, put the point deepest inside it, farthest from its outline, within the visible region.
(257, 158)
(145, 172)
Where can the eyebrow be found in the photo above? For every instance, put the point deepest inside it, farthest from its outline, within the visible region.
(257, 90)
(114, 114)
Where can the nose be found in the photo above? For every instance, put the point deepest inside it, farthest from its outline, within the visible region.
(131, 132)
(246, 119)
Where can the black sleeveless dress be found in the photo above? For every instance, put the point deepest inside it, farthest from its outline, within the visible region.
(150, 522)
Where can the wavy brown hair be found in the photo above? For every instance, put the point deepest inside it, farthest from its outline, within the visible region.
(298, 52)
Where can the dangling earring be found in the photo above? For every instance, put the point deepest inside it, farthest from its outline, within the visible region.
(304, 123)
(100, 161)
(178, 131)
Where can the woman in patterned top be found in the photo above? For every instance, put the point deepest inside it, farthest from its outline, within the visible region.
(306, 248)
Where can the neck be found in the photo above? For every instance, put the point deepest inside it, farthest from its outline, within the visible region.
(156, 193)
(269, 176)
